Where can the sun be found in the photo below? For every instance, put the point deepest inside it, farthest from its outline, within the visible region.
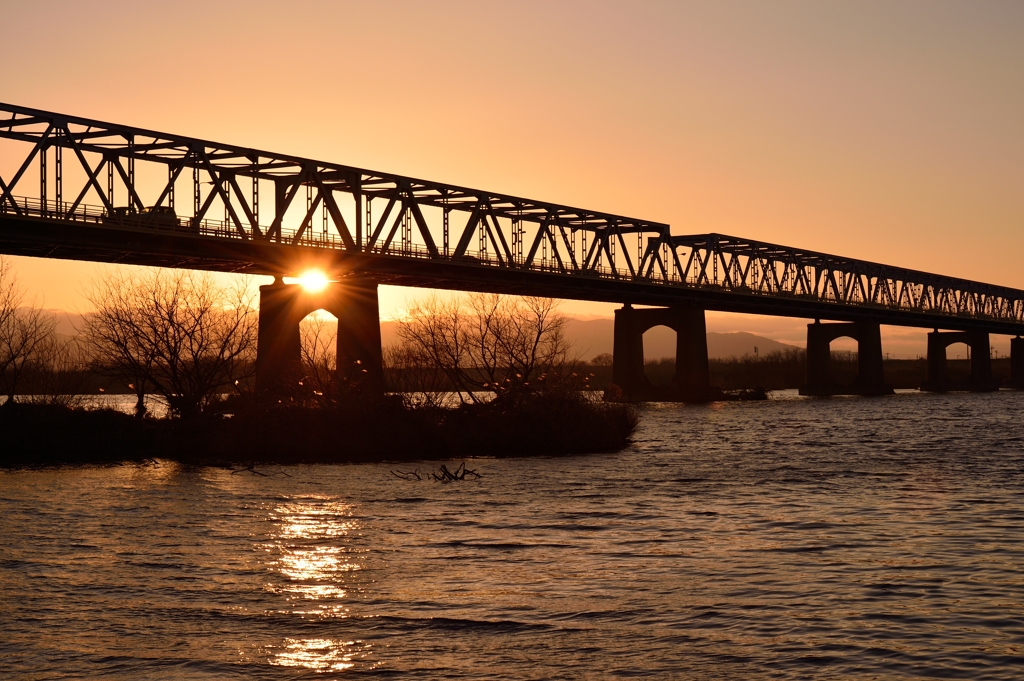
(313, 281)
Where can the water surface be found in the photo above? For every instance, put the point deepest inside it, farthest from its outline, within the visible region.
(848, 537)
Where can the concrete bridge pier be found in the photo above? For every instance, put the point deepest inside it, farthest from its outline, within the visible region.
(278, 346)
(980, 379)
(1017, 363)
(692, 380)
(869, 380)
(283, 306)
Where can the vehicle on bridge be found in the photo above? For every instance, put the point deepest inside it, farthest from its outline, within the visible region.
(151, 216)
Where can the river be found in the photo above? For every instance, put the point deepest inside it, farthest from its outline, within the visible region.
(794, 538)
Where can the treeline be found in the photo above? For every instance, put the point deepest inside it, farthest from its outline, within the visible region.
(473, 375)
(787, 369)
(776, 370)
(31, 350)
(467, 349)
(172, 333)
(191, 340)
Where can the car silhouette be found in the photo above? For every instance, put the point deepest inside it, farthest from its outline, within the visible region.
(152, 216)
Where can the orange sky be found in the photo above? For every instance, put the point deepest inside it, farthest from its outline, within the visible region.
(879, 130)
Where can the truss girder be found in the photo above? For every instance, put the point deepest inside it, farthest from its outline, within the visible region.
(479, 228)
(770, 269)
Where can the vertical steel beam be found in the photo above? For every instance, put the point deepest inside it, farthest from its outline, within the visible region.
(43, 153)
(307, 223)
(197, 197)
(285, 190)
(445, 210)
(369, 222)
(324, 210)
(171, 176)
(131, 173)
(255, 204)
(110, 181)
(356, 185)
(58, 178)
(225, 193)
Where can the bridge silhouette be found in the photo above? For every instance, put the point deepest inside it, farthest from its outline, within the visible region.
(112, 193)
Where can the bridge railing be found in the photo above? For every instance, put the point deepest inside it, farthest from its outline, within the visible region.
(706, 262)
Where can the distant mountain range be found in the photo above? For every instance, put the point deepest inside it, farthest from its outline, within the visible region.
(593, 337)
(590, 337)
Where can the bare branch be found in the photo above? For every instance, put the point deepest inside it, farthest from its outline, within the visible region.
(24, 328)
(486, 343)
(175, 332)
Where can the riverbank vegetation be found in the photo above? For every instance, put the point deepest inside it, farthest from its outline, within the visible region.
(386, 430)
(787, 370)
(511, 386)
(473, 375)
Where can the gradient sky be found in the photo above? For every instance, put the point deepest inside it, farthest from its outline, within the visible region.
(890, 131)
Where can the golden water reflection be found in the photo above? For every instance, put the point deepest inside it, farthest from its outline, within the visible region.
(315, 553)
(320, 654)
(321, 562)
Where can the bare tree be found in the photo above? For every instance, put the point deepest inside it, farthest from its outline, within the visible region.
(116, 334)
(177, 332)
(420, 384)
(434, 338)
(491, 343)
(58, 371)
(530, 341)
(23, 329)
(319, 343)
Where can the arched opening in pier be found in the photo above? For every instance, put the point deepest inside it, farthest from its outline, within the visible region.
(318, 335)
(843, 361)
(660, 355)
(958, 362)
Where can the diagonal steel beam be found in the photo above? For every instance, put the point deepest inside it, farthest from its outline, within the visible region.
(421, 224)
(8, 190)
(132, 194)
(307, 221)
(383, 220)
(542, 233)
(169, 187)
(91, 182)
(467, 233)
(339, 219)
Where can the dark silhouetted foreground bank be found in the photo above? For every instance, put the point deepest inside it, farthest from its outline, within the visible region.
(536, 425)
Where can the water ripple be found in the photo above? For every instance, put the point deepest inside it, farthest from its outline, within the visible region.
(875, 538)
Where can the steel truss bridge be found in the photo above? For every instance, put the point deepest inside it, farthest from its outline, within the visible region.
(82, 189)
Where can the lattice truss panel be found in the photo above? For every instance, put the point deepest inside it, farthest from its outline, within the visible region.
(741, 265)
(84, 171)
(90, 171)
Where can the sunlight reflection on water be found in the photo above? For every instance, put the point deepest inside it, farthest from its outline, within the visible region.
(793, 538)
(309, 549)
(320, 654)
